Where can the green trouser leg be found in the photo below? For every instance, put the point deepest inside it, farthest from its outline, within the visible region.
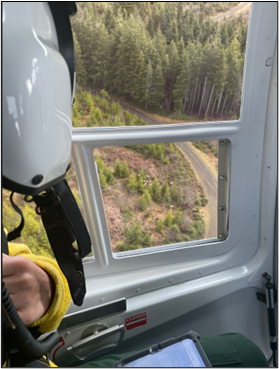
(226, 350)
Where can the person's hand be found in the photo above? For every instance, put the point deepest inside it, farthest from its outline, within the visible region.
(30, 287)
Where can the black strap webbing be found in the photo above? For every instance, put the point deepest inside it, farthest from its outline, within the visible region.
(5, 248)
(17, 231)
(64, 224)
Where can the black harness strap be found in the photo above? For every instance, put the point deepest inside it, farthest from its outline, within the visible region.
(64, 224)
(17, 231)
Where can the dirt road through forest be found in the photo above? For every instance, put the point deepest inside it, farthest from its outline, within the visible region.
(205, 175)
(242, 7)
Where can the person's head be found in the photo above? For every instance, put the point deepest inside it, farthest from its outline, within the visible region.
(37, 95)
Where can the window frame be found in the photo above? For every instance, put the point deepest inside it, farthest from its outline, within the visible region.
(110, 277)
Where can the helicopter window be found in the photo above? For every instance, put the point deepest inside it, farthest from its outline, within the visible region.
(171, 62)
(159, 194)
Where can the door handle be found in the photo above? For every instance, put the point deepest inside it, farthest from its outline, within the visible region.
(94, 339)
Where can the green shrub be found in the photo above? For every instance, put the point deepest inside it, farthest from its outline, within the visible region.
(204, 201)
(115, 108)
(102, 179)
(166, 197)
(180, 197)
(147, 240)
(168, 218)
(166, 160)
(174, 233)
(117, 169)
(105, 105)
(142, 174)
(147, 214)
(157, 195)
(105, 95)
(154, 187)
(198, 202)
(140, 185)
(98, 114)
(159, 227)
(125, 171)
(144, 201)
(99, 162)
(132, 182)
(178, 218)
(127, 247)
(173, 191)
(135, 234)
(108, 174)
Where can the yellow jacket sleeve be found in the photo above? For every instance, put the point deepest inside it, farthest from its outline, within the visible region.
(62, 298)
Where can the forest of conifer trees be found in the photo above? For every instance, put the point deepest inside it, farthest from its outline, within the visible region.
(169, 56)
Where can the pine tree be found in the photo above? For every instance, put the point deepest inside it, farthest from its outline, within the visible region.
(117, 169)
(81, 73)
(125, 171)
(108, 174)
(154, 186)
(159, 227)
(142, 174)
(166, 196)
(132, 182)
(102, 179)
(173, 192)
(168, 218)
(140, 75)
(147, 240)
(140, 185)
(156, 93)
(177, 219)
(164, 188)
(182, 84)
(148, 84)
(144, 201)
(98, 114)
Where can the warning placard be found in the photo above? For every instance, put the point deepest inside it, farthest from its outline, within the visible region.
(135, 321)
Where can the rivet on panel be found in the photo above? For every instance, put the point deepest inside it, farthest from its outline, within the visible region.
(221, 208)
(268, 167)
(67, 334)
(221, 177)
(138, 289)
(220, 236)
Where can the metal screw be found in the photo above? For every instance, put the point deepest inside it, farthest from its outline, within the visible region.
(221, 177)
(222, 143)
(221, 208)
(79, 274)
(67, 334)
(220, 236)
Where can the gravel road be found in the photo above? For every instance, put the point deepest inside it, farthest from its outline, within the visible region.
(240, 8)
(202, 170)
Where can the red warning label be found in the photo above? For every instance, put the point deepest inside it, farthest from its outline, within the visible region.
(135, 321)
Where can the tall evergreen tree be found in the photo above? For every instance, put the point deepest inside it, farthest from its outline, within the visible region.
(182, 83)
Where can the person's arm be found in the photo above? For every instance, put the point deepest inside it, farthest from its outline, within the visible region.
(41, 288)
